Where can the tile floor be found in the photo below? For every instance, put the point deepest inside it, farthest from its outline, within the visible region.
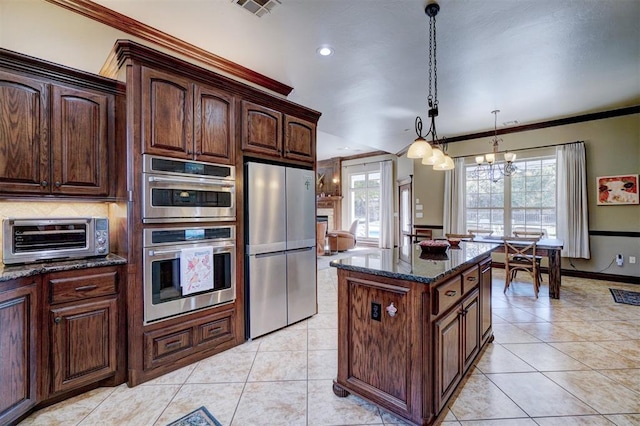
(573, 361)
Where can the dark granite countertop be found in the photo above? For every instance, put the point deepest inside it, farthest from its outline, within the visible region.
(423, 268)
(11, 272)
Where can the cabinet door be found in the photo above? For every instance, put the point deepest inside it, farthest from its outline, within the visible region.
(24, 134)
(485, 300)
(261, 129)
(214, 125)
(471, 328)
(299, 139)
(167, 114)
(80, 142)
(83, 344)
(18, 343)
(448, 356)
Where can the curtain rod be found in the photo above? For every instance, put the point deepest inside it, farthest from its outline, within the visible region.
(364, 164)
(523, 149)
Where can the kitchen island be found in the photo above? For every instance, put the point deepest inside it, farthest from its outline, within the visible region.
(409, 331)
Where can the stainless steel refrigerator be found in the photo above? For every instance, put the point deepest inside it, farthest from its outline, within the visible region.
(280, 236)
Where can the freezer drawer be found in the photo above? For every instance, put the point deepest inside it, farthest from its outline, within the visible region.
(302, 298)
(267, 293)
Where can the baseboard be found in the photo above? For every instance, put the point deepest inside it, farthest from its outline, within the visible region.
(585, 274)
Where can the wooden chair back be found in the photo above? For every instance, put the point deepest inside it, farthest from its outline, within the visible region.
(480, 232)
(528, 234)
(461, 236)
(520, 255)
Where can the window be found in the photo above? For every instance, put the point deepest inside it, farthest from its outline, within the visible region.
(526, 200)
(364, 203)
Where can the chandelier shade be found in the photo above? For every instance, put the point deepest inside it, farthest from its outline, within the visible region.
(431, 152)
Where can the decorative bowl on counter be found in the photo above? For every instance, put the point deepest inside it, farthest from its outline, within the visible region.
(433, 246)
(454, 242)
(434, 256)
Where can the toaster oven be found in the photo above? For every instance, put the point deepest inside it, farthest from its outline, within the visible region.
(35, 240)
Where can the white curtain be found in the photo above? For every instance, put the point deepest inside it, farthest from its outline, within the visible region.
(386, 204)
(573, 218)
(453, 219)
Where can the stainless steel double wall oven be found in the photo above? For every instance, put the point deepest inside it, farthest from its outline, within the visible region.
(185, 207)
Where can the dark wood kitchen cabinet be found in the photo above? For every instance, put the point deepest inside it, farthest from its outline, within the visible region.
(485, 301)
(270, 132)
(57, 129)
(83, 328)
(19, 336)
(182, 119)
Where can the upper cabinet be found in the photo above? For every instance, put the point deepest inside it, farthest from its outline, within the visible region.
(182, 119)
(263, 129)
(57, 130)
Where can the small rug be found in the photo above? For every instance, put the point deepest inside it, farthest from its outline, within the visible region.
(624, 296)
(199, 417)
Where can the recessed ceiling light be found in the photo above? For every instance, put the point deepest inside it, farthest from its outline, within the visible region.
(324, 51)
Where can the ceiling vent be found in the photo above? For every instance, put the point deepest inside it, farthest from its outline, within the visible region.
(257, 7)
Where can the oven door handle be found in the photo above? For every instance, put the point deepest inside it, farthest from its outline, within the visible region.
(203, 182)
(215, 251)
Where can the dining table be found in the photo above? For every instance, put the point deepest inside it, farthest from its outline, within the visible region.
(549, 247)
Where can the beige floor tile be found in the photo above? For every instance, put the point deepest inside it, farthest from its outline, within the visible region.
(220, 400)
(603, 394)
(482, 399)
(323, 339)
(549, 332)
(177, 377)
(573, 421)
(496, 359)
(594, 355)
(628, 377)
(325, 408)
(272, 403)
(544, 357)
(284, 365)
(141, 405)
(538, 395)
(71, 411)
(328, 320)
(285, 339)
(625, 419)
(322, 364)
(515, 315)
(389, 419)
(509, 333)
(236, 368)
(628, 329)
(627, 348)
(589, 330)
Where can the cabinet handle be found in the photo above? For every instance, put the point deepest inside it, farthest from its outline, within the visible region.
(472, 279)
(172, 344)
(57, 320)
(57, 184)
(214, 330)
(44, 183)
(86, 287)
(198, 152)
(189, 152)
(451, 293)
(391, 310)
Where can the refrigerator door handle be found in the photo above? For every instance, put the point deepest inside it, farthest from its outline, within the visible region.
(270, 254)
(300, 250)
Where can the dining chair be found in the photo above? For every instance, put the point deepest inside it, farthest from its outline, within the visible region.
(461, 236)
(533, 234)
(480, 232)
(521, 256)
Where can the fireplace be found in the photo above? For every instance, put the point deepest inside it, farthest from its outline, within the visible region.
(329, 208)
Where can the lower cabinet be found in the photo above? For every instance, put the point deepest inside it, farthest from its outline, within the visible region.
(485, 301)
(18, 347)
(405, 345)
(83, 334)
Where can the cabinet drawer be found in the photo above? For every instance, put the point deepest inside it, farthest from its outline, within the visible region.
(167, 345)
(215, 332)
(70, 288)
(447, 294)
(470, 279)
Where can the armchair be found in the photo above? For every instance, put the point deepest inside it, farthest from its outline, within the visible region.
(343, 240)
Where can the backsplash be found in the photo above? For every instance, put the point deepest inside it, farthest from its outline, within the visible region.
(53, 209)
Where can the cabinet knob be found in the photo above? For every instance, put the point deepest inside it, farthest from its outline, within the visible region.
(391, 310)
(57, 320)
(450, 293)
(198, 152)
(57, 184)
(44, 183)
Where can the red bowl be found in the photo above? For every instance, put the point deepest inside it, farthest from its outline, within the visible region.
(433, 246)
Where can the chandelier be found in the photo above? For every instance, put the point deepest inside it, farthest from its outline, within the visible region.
(492, 170)
(431, 153)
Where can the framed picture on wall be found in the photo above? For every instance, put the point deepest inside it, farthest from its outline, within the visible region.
(617, 190)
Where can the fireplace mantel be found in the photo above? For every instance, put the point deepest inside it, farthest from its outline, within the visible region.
(334, 204)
